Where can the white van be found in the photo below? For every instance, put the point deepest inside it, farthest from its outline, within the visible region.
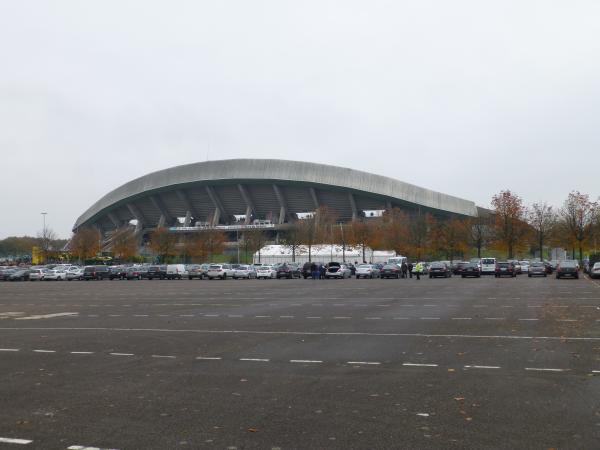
(488, 265)
(176, 271)
(398, 260)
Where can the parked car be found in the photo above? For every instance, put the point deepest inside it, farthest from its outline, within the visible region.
(221, 271)
(457, 267)
(244, 271)
(470, 270)
(505, 268)
(567, 269)
(439, 269)
(367, 271)
(287, 271)
(517, 266)
(176, 271)
(6, 272)
(75, 273)
(595, 270)
(159, 272)
(96, 272)
(524, 266)
(197, 271)
(537, 269)
(266, 271)
(58, 274)
(337, 270)
(20, 274)
(118, 272)
(488, 266)
(37, 274)
(390, 271)
(136, 272)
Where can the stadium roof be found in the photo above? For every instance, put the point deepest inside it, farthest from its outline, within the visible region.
(242, 186)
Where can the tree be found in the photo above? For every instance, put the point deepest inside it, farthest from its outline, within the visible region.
(313, 229)
(578, 215)
(124, 243)
(292, 239)
(212, 242)
(419, 236)
(479, 233)
(451, 237)
(510, 228)
(46, 238)
(362, 233)
(163, 243)
(254, 240)
(85, 243)
(542, 219)
(394, 229)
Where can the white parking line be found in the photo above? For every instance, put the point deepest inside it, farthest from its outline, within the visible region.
(419, 365)
(255, 359)
(307, 361)
(5, 440)
(482, 367)
(83, 447)
(9, 349)
(44, 351)
(164, 356)
(366, 363)
(429, 318)
(462, 318)
(494, 318)
(528, 320)
(209, 358)
(541, 369)
(121, 354)
(81, 353)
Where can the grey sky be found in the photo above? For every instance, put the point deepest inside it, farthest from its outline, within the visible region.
(463, 97)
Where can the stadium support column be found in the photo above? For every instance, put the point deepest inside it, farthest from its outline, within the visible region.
(219, 210)
(114, 219)
(353, 206)
(249, 204)
(165, 217)
(135, 212)
(283, 209)
(313, 195)
(190, 210)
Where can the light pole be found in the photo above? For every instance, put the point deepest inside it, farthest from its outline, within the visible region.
(44, 236)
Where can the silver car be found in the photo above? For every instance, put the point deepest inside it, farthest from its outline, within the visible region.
(244, 271)
(338, 271)
(367, 271)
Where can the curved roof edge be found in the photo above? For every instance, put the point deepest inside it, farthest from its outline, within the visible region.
(284, 170)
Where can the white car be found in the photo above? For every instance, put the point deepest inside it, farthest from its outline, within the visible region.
(74, 273)
(176, 271)
(244, 271)
(338, 271)
(488, 265)
(367, 271)
(524, 266)
(266, 271)
(595, 270)
(56, 274)
(37, 274)
(222, 271)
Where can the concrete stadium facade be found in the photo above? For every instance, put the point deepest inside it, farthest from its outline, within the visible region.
(227, 192)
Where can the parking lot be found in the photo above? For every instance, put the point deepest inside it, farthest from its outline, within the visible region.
(436, 363)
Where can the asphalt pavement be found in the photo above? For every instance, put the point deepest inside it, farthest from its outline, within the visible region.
(301, 364)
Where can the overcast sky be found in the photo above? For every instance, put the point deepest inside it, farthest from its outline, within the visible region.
(463, 97)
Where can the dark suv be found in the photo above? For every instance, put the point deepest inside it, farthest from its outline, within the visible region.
(159, 272)
(439, 269)
(96, 273)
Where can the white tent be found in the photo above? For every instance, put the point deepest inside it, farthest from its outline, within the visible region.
(271, 254)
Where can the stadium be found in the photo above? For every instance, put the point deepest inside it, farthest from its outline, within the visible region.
(265, 193)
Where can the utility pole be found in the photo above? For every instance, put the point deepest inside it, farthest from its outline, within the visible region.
(44, 236)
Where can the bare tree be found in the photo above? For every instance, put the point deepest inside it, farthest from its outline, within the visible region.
(292, 239)
(479, 233)
(254, 240)
(542, 219)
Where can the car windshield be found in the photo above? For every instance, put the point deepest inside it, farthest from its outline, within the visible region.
(364, 266)
(487, 261)
(214, 266)
(568, 264)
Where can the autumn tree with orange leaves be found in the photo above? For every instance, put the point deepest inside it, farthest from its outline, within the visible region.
(451, 237)
(124, 243)
(510, 228)
(85, 243)
(578, 215)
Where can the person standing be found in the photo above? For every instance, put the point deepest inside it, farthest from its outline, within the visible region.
(418, 269)
(403, 269)
(410, 269)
